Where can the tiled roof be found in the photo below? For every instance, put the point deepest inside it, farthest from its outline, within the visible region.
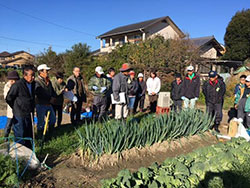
(138, 26)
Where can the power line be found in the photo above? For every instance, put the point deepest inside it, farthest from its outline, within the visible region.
(46, 21)
(32, 42)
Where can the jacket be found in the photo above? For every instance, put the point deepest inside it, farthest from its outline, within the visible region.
(176, 90)
(99, 83)
(214, 91)
(120, 85)
(142, 88)
(59, 90)
(191, 88)
(110, 88)
(153, 85)
(132, 87)
(6, 89)
(73, 85)
(43, 92)
(20, 99)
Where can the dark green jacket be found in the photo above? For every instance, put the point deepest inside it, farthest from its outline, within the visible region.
(99, 82)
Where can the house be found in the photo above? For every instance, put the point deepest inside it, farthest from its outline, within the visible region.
(137, 32)
(210, 51)
(17, 59)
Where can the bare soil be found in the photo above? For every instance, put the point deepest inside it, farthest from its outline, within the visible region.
(71, 172)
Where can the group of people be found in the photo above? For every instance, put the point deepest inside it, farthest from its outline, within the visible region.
(26, 95)
(119, 95)
(187, 91)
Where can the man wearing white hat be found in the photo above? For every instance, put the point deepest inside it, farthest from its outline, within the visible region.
(243, 112)
(99, 85)
(45, 97)
(141, 92)
(191, 88)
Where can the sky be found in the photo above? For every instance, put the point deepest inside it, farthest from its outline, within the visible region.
(33, 25)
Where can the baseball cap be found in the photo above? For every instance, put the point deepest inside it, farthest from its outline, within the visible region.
(140, 75)
(43, 67)
(99, 70)
(248, 78)
(190, 68)
(212, 74)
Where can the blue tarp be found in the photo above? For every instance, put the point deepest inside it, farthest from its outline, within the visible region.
(3, 120)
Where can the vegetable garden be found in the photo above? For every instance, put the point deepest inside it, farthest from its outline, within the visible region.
(95, 142)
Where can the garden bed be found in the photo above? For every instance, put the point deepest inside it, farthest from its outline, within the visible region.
(71, 172)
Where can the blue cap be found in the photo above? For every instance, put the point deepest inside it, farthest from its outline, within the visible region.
(212, 74)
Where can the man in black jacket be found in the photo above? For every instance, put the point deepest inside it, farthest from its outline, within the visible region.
(190, 90)
(214, 90)
(21, 98)
(176, 86)
(45, 97)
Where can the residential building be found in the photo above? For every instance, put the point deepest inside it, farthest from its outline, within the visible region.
(137, 32)
(17, 59)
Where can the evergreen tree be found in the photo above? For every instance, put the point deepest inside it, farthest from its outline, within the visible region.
(237, 36)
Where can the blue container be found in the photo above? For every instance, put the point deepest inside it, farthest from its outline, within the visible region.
(248, 132)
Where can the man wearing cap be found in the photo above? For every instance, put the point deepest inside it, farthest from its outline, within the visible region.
(141, 92)
(176, 86)
(243, 111)
(75, 84)
(99, 86)
(191, 88)
(214, 90)
(59, 87)
(21, 98)
(45, 97)
(12, 78)
(120, 85)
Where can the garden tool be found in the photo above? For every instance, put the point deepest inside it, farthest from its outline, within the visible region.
(45, 129)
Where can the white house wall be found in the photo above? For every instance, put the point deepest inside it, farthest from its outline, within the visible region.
(163, 29)
(210, 53)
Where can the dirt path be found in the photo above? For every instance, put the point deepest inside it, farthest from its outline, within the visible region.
(72, 173)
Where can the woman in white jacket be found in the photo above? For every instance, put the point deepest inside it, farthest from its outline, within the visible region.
(153, 88)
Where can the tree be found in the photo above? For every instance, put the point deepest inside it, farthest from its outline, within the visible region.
(78, 56)
(50, 58)
(237, 36)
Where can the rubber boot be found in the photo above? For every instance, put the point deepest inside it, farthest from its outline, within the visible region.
(216, 127)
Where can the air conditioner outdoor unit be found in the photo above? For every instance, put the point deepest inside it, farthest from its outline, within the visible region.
(164, 100)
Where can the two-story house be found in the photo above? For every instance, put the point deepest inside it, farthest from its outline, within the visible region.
(137, 32)
(17, 59)
(209, 48)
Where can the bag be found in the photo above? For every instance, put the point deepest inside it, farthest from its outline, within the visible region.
(122, 99)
